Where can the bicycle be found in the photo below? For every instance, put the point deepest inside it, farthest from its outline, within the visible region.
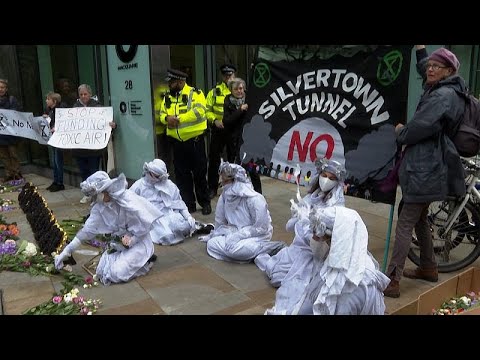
(455, 226)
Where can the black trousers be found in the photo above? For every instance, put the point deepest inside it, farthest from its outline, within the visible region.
(165, 153)
(220, 139)
(190, 162)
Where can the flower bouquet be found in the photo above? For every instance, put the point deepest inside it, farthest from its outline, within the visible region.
(69, 303)
(6, 205)
(11, 186)
(458, 305)
(25, 258)
(113, 243)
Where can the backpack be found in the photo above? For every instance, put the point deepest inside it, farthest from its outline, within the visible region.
(467, 132)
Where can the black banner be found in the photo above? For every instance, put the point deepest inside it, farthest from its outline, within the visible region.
(344, 108)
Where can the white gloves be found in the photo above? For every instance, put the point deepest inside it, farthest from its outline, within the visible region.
(67, 252)
(293, 208)
(191, 221)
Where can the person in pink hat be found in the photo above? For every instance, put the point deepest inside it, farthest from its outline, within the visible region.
(431, 168)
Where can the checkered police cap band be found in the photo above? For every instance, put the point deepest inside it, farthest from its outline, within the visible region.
(175, 75)
(227, 69)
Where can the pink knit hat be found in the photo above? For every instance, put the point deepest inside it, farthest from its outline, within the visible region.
(446, 57)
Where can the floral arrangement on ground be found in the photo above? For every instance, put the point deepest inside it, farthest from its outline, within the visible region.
(6, 205)
(457, 305)
(11, 186)
(66, 303)
(21, 255)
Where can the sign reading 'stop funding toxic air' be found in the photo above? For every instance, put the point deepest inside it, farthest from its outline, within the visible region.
(82, 128)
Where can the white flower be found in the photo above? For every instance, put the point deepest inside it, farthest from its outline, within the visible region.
(67, 298)
(68, 268)
(466, 300)
(95, 283)
(85, 286)
(10, 241)
(95, 277)
(89, 313)
(30, 250)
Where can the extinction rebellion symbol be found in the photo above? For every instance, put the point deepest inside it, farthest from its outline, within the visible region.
(390, 67)
(126, 56)
(3, 122)
(261, 75)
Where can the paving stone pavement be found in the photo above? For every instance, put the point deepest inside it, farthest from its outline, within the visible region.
(185, 279)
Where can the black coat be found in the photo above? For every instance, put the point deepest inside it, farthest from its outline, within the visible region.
(233, 121)
(431, 168)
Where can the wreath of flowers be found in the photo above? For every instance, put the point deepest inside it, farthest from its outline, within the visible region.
(457, 305)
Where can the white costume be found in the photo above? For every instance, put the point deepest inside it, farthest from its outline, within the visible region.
(293, 258)
(344, 277)
(243, 226)
(176, 223)
(125, 214)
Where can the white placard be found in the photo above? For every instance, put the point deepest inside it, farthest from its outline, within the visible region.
(23, 124)
(82, 128)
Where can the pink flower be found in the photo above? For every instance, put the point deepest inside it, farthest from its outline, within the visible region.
(84, 311)
(26, 264)
(57, 299)
(89, 280)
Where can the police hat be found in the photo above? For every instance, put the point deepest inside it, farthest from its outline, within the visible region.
(173, 74)
(228, 69)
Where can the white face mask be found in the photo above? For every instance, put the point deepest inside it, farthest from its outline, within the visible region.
(326, 184)
(319, 248)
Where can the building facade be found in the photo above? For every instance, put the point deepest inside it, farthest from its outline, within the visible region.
(130, 78)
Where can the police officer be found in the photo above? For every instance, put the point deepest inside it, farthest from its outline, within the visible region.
(220, 138)
(183, 112)
(164, 146)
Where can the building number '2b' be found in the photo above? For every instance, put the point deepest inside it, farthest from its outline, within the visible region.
(128, 85)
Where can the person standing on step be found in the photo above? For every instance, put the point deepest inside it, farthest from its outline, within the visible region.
(53, 101)
(221, 138)
(431, 168)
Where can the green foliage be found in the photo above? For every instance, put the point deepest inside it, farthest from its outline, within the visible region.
(34, 265)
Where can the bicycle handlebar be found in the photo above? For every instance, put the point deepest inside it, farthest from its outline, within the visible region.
(469, 164)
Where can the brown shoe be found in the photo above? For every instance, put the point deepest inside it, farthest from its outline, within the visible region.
(423, 274)
(393, 289)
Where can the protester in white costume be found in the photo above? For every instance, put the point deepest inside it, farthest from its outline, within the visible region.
(326, 190)
(176, 222)
(243, 226)
(344, 277)
(116, 211)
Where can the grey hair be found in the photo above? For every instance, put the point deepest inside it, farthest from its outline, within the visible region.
(86, 87)
(5, 81)
(235, 83)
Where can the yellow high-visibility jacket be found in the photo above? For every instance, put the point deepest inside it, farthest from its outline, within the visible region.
(215, 99)
(159, 95)
(189, 107)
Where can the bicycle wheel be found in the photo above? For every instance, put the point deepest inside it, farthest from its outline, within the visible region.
(461, 246)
